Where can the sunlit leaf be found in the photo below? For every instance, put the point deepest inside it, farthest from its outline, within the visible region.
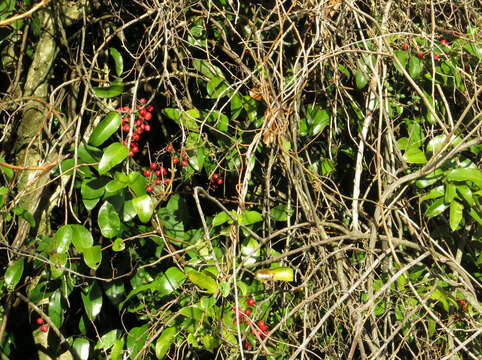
(107, 92)
(14, 273)
(164, 341)
(81, 348)
(144, 207)
(81, 237)
(436, 208)
(119, 62)
(93, 256)
(92, 301)
(113, 155)
(108, 220)
(202, 280)
(456, 210)
(105, 128)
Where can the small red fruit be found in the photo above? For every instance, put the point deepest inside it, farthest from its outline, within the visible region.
(444, 42)
(150, 108)
(215, 176)
(158, 181)
(167, 181)
(148, 116)
(169, 148)
(164, 171)
(142, 112)
(420, 55)
(142, 100)
(184, 163)
(126, 128)
(44, 328)
(125, 120)
(175, 160)
(405, 46)
(135, 149)
(235, 322)
(262, 325)
(220, 181)
(461, 302)
(147, 127)
(149, 189)
(139, 131)
(153, 166)
(136, 137)
(247, 312)
(147, 173)
(247, 346)
(251, 302)
(131, 153)
(158, 173)
(436, 57)
(464, 308)
(40, 321)
(139, 122)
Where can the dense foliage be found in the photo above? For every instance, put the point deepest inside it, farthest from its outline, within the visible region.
(240, 179)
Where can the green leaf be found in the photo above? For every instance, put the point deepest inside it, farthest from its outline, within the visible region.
(415, 67)
(14, 273)
(466, 174)
(63, 238)
(93, 189)
(475, 215)
(108, 220)
(115, 291)
(236, 105)
(435, 144)
(108, 340)
(429, 179)
(137, 183)
(26, 215)
(436, 208)
(197, 160)
(119, 62)
(164, 341)
(105, 128)
(415, 156)
(144, 207)
(115, 89)
(207, 69)
(440, 294)
(189, 117)
(93, 256)
(118, 245)
(173, 114)
(360, 79)
(56, 313)
(215, 87)
(402, 56)
(251, 217)
(118, 349)
(450, 192)
(81, 237)
(202, 280)
(128, 211)
(5, 170)
(114, 154)
(456, 210)
(277, 274)
(317, 119)
(81, 348)
(92, 300)
(280, 213)
(210, 343)
(247, 249)
(136, 339)
(89, 154)
(466, 193)
(435, 193)
(221, 218)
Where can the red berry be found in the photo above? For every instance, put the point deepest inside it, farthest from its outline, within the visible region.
(235, 322)
(251, 302)
(420, 55)
(139, 131)
(405, 46)
(436, 57)
(142, 100)
(138, 122)
(444, 42)
(135, 149)
(153, 166)
(464, 308)
(175, 160)
(147, 127)
(169, 148)
(247, 346)
(466, 67)
(247, 312)
(142, 112)
(167, 181)
(262, 325)
(40, 321)
(131, 153)
(164, 171)
(220, 181)
(150, 108)
(158, 173)
(44, 328)
(147, 173)
(215, 176)
(126, 128)
(136, 137)
(149, 189)
(148, 116)
(158, 181)
(184, 163)
(125, 120)
(215, 186)
(461, 302)
(143, 126)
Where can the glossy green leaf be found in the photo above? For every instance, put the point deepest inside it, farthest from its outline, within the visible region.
(92, 301)
(81, 348)
(136, 339)
(456, 210)
(450, 192)
(144, 207)
(207, 69)
(475, 215)
(280, 213)
(89, 154)
(221, 218)
(26, 215)
(173, 114)
(108, 340)
(58, 259)
(276, 274)
(119, 62)
(118, 349)
(63, 238)
(429, 179)
(202, 280)
(113, 155)
(81, 237)
(108, 220)
(197, 160)
(210, 343)
(436, 208)
(236, 105)
(442, 296)
(164, 341)
(415, 156)
(5, 170)
(318, 120)
(415, 67)
(105, 128)
(189, 117)
(435, 144)
(248, 251)
(119, 182)
(466, 193)
(56, 313)
(215, 87)
(67, 167)
(360, 79)
(92, 189)
(107, 92)
(93, 256)
(115, 291)
(118, 245)
(138, 183)
(402, 56)
(14, 273)
(251, 217)
(435, 193)
(466, 174)
(128, 211)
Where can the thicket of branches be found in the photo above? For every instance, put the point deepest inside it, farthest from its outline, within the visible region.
(345, 124)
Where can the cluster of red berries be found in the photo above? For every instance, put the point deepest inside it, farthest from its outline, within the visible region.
(144, 113)
(43, 327)
(175, 160)
(405, 47)
(216, 181)
(243, 316)
(462, 304)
